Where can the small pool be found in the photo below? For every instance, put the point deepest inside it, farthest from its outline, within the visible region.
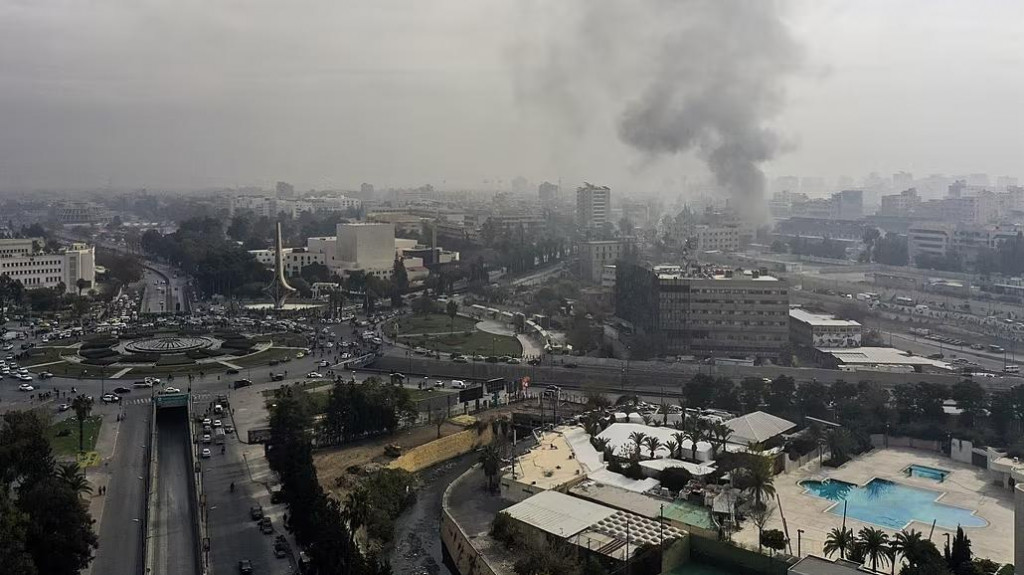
(925, 472)
(891, 505)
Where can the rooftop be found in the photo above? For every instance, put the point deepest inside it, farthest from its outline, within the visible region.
(548, 465)
(757, 427)
(559, 514)
(820, 319)
(709, 272)
(881, 355)
(814, 565)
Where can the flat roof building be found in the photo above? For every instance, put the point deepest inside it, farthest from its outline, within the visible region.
(822, 330)
(593, 205)
(22, 260)
(704, 310)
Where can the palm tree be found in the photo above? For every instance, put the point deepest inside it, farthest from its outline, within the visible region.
(839, 541)
(672, 445)
(680, 437)
(637, 437)
(72, 475)
(911, 545)
(695, 432)
(600, 443)
(761, 478)
(873, 543)
(720, 433)
(357, 510)
(653, 443)
(81, 284)
(891, 553)
(490, 461)
(82, 405)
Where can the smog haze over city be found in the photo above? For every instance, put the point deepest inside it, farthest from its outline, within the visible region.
(511, 287)
(189, 95)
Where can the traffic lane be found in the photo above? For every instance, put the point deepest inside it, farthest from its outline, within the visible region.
(175, 545)
(921, 346)
(233, 534)
(121, 537)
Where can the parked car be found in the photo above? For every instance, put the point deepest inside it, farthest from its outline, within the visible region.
(256, 512)
(245, 567)
(205, 453)
(266, 525)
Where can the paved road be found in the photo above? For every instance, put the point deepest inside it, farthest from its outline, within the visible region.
(233, 534)
(121, 537)
(175, 541)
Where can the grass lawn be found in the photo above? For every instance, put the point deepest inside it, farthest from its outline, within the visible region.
(47, 354)
(260, 358)
(68, 444)
(478, 342)
(431, 323)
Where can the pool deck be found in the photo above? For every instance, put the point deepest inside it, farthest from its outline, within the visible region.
(965, 487)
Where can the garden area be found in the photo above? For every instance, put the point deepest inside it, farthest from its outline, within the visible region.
(468, 343)
(428, 323)
(64, 435)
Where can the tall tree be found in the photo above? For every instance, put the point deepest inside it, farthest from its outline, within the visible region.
(873, 543)
(82, 405)
(839, 541)
(490, 462)
(452, 309)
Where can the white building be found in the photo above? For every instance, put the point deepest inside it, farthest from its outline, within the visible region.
(294, 259)
(365, 246)
(822, 330)
(20, 261)
(717, 238)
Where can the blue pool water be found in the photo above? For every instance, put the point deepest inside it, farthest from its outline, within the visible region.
(926, 472)
(891, 505)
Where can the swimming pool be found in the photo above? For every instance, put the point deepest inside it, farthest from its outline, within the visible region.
(925, 472)
(891, 505)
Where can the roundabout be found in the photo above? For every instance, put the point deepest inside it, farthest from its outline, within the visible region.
(176, 344)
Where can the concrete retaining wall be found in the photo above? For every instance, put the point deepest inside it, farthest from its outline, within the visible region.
(467, 560)
(443, 449)
(879, 440)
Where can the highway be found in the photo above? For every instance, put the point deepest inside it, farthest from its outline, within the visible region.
(174, 546)
(121, 536)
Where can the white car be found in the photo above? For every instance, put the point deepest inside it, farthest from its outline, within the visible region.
(217, 423)
(24, 377)
(324, 363)
(170, 390)
(314, 375)
(153, 380)
(110, 398)
(207, 438)
(458, 384)
(26, 387)
(205, 453)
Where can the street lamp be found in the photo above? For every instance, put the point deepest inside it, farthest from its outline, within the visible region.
(799, 538)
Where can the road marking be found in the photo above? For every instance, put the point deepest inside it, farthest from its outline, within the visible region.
(119, 374)
(231, 365)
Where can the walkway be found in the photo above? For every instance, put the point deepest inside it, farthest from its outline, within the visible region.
(121, 373)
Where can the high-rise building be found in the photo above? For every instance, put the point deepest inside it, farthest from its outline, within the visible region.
(366, 189)
(593, 205)
(704, 310)
(547, 192)
(285, 190)
(901, 205)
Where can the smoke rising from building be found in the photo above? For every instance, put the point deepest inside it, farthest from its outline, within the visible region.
(703, 76)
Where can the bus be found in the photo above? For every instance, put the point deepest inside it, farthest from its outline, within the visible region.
(903, 300)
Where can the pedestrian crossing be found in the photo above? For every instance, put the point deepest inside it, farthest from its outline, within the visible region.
(196, 397)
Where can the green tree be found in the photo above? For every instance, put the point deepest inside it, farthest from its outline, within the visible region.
(959, 559)
(399, 276)
(452, 309)
(490, 462)
(357, 509)
(839, 541)
(73, 476)
(873, 543)
(82, 405)
(971, 398)
(652, 443)
(760, 478)
(14, 526)
(638, 438)
(773, 539)
(10, 292)
(60, 537)
(719, 433)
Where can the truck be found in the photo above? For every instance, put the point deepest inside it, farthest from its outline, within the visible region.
(219, 436)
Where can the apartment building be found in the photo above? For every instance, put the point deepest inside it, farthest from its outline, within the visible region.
(22, 261)
(593, 205)
(717, 238)
(939, 239)
(595, 255)
(821, 330)
(705, 310)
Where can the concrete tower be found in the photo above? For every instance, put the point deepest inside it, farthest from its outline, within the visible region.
(279, 288)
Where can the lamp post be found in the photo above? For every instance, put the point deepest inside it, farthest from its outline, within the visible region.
(799, 539)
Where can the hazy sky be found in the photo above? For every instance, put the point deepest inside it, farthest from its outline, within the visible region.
(331, 93)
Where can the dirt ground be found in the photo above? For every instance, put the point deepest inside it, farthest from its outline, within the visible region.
(332, 465)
